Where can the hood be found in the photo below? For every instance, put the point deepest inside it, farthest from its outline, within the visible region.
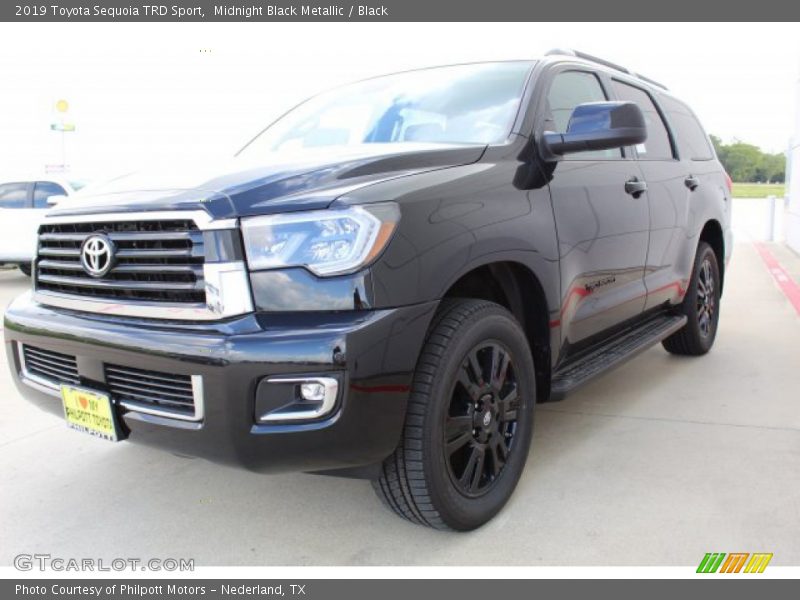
(280, 183)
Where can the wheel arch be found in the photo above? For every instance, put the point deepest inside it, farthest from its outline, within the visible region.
(515, 287)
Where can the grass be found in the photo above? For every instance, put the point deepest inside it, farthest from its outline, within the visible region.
(758, 190)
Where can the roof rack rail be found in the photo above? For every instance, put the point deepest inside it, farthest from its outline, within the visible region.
(651, 81)
(605, 63)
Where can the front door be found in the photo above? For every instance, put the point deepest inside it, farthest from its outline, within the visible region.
(602, 229)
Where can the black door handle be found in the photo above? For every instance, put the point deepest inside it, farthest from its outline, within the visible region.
(635, 187)
(691, 182)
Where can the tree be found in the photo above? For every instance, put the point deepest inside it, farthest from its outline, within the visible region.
(748, 163)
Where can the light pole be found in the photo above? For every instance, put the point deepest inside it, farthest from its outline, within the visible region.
(63, 127)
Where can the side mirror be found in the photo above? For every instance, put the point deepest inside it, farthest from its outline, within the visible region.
(598, 126)
(55, 199)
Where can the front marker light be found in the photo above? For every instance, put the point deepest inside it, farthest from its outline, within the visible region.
(327, 242)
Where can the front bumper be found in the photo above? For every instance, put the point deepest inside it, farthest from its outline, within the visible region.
(371, 353)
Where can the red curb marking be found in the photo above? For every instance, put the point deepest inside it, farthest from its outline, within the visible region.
(788, 285)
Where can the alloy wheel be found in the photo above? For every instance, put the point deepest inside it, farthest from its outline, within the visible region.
(706, 299)
(481, 419)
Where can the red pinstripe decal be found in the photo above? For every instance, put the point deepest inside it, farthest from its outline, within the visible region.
(680, 286)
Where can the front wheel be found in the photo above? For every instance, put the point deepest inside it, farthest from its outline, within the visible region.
(469, 422)
(25, 268)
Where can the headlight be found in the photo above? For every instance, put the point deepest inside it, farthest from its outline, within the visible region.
(327, 242)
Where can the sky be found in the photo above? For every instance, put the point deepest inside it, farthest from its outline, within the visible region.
(155, 93)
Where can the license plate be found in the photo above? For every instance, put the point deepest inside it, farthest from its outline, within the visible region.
(90, 412)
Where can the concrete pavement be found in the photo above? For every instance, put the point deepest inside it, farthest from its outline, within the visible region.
(656, 463)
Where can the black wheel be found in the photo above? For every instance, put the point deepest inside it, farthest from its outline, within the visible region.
(469, 422)
(701, 306)
(25, 268)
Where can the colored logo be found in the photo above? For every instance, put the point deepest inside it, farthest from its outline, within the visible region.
(735, 562)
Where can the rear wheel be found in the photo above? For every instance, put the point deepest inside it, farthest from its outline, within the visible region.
(701, 306)
(469, 422)
(25, 268)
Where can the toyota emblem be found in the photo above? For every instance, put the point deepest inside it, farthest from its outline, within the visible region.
(97, 255)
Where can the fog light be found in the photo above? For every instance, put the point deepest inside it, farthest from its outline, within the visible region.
(312, 391)
(295, 398)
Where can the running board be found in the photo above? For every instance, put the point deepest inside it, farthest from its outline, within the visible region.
(612, 354)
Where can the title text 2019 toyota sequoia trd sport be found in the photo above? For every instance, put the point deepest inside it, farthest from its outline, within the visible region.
(386, 280)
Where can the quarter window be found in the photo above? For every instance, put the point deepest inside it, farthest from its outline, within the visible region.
(568, 90)
(693, 143)
(13, 195)
(657, 146)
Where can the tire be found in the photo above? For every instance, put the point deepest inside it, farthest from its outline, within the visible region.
(700, 307)
(25, 268)
(423, 482)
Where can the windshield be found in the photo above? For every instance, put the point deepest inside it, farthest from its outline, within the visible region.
(464, 104)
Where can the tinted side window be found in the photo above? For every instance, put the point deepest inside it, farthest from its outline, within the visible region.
(43, 190)
(693, 143)
(13, 195)
(568, 90)
(657, 146)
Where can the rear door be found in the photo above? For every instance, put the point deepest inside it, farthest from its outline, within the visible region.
(675, 176)
(703, 176)
(667, 196)
(602, 230)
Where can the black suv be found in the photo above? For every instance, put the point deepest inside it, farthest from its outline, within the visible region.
(386, 280)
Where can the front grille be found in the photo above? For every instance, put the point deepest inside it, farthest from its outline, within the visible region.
(165, 392)
(53, 366)
(156, 261)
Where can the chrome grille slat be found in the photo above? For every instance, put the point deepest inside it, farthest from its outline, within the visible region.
(121, 284)
(63, 237)
(60, 264)
(126, 236)
(118, 371)
(76, 252)
(49, 355)
(126, 268)
(153, 236)
(133, 388)
(194, 251)
(50, 365)
(142, 268)
(152, 398)
(172, 386)
(49, 370)
(33, 356)
(149, 388)
(128, 253)
(156, 260)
